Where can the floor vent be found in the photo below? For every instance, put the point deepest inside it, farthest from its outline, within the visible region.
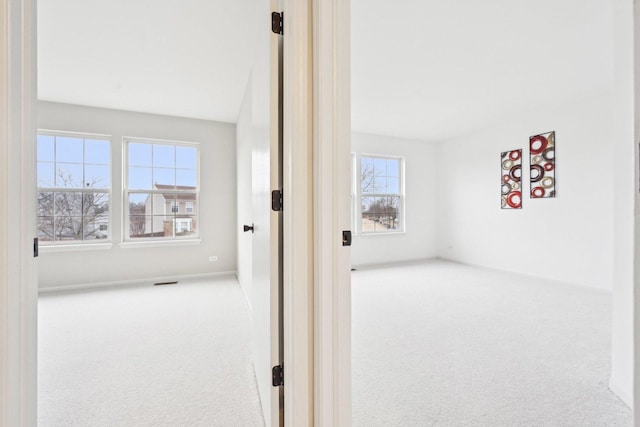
(165, 283)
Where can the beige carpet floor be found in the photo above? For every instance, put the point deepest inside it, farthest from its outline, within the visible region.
(175, 355)
(442, 344)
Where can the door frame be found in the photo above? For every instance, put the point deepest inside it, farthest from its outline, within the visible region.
(332, 207)
(18, 269)
(297, 214)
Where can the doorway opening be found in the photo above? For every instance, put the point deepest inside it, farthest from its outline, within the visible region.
(142, 119)
(452, 291)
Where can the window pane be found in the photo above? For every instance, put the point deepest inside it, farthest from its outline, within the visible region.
(186, 178)
(368, 223)
(188, 203)
(140, 154)
(185, 225)
(173, 225)
(95, 227)
(169, 205)
(393, 186)
(140, 178)
(380, 214)
(46, 148)
(69, 175)
(139, 226)
(162, 226)
(393, 168)
(367, 177)
(380, 167)
(69, 149)
(164, 178)
(97, 176)
(95, 206)
(186, 157)
(140, 204)
(46, 174)
(45, 204)
(68, 228)
(97, 151)
(68, 204)
(45, 228)
(164, 156)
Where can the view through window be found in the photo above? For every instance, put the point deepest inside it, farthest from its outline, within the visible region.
(74, 186)
(381, 194)
(162, 190)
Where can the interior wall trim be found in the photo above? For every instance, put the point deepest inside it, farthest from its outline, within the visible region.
(149, 281)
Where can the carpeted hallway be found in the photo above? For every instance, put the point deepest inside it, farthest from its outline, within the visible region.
(442, 344)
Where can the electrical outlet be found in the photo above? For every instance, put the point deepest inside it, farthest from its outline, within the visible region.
(213, 258)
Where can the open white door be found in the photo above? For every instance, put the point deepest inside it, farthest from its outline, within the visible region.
(266, 159)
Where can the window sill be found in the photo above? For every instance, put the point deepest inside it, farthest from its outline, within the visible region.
(383, 233)
(75, 247)
(159, 244)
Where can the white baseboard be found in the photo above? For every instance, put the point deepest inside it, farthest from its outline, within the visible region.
(391, 263)
(135, 282)
(246, 297)
(622, 395)
(506, 270)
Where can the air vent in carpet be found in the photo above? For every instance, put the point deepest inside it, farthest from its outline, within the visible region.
(165, 283)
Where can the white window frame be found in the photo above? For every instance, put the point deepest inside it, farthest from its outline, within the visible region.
(355, 183)
(109, 191)
(126, 192)
(401, 194)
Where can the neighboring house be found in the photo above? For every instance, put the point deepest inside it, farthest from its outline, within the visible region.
(170, 214)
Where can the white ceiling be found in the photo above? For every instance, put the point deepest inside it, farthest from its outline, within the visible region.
(426, 69)
(187, 58)
(435, 69)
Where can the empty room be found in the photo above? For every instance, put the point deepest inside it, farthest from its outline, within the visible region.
(485, 289)
(146, 112)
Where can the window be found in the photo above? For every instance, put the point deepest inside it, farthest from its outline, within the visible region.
(74, 187)
(354, 194)
(381, 194)
(161, 190)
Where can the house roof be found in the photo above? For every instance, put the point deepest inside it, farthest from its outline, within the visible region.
(177, 195)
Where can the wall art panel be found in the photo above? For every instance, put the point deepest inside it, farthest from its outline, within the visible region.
(510, 179)
(542, 158)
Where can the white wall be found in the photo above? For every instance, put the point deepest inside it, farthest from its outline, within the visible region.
(418, 241)
(568, 238)
(622, 339)
(217, 200)
(244, 180)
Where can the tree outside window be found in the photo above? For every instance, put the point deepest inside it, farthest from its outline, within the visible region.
(74, 185)
(381, 195)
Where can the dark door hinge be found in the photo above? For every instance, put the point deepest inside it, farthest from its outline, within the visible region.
(277, 376)
(277, 22)
(36, 247)
(276, 200)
